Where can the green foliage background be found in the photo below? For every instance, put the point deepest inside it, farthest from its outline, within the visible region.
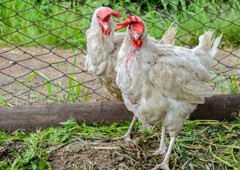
(64, 23)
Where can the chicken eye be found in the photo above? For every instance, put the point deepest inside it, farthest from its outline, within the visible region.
(98, 17)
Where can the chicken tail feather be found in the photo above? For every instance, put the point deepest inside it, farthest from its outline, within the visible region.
(169, 35)
(216, 42)
(208, 44)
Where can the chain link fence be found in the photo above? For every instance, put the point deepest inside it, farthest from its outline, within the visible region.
(42, 44)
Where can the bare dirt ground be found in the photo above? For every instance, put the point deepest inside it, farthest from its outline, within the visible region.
(81, 155)
(95, 155)
(101, 155)
(18, 64)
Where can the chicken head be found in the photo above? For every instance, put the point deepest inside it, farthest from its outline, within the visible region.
(135, 29)
(103, 17)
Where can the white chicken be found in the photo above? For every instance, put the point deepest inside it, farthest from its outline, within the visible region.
(103, 45)
(163, 84)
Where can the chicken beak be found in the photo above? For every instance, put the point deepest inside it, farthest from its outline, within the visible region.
(105, 26)
(136, 36)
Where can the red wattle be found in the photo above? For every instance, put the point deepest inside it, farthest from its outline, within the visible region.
(105, 32)
(138, 43)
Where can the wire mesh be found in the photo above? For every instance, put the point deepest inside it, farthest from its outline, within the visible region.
(42, 44)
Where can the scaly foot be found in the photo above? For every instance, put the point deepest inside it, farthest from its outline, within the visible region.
(162, 166)
(160, 151)
(125, 138)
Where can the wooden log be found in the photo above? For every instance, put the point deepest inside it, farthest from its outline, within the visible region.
(32, 117)
(218, 107)
(42, 116)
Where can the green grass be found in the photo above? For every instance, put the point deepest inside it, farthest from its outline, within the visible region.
(3, 102)
(51, 91)
(30, 24)
(228, 84)
(34, 148)
(73, 92)
(201, 145)
(63, 24)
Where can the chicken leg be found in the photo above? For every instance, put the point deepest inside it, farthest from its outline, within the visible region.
(127, 136)
(162, 148)
(165, 164)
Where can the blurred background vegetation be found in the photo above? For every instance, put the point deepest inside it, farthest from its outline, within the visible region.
(63, 24)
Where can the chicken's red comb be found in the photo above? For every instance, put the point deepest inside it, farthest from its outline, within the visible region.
(137, 24)
(105, 12)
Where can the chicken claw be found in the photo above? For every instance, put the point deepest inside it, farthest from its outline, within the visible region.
(127, 136)
(162, 150)
(162, 166)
